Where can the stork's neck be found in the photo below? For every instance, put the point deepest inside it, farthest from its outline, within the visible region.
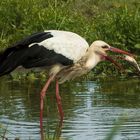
(92, 59)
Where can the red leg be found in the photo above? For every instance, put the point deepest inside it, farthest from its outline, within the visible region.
(42, 95)
(59, 104)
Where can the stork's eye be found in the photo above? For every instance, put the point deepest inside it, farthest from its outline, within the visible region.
(105, 47)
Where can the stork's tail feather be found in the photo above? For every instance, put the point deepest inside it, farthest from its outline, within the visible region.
(10, 59)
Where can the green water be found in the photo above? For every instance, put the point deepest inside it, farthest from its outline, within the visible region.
(90, 107)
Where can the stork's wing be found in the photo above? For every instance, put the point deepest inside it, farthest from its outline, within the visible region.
(34, 38)
(43, 49)
(39, 56)
(67, 44)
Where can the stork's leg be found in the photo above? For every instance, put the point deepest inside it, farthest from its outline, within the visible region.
(42, 95)
(59, 104)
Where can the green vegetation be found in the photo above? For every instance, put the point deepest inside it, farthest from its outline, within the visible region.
(116, 22)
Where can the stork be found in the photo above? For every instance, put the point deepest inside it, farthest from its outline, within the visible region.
(66, 54)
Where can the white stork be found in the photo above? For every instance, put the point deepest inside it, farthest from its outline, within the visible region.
(66, 54)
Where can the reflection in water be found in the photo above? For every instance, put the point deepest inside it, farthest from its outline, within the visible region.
(90, 109)
(56, 134)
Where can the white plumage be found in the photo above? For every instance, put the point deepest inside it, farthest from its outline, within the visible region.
(66, 43)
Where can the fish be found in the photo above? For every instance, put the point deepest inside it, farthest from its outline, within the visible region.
(133, 62)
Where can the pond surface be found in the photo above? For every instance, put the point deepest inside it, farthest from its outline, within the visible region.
(91, 110)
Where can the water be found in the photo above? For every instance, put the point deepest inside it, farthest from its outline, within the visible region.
(91, 110)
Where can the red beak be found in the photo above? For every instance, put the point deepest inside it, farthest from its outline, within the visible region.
(117, 51)
(120, 51)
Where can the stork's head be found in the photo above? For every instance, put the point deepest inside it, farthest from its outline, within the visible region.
(101, 49)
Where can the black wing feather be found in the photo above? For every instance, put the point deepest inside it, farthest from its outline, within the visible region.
(21, 54)
(12, 61)
(34, 38)
(17, 53)
(44, 57)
